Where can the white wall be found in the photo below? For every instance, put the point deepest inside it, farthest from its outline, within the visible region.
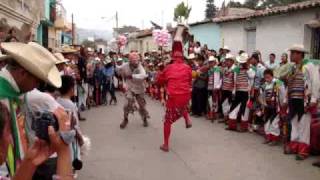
(233, 35)
(274, 34)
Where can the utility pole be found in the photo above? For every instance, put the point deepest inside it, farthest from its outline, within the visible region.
(117, 20)
(72, 29)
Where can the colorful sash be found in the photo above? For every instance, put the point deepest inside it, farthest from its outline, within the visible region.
(15, 151)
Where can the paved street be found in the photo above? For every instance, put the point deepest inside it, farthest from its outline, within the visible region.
(204, 152)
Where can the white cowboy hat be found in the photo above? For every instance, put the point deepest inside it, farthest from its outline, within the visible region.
(35, 59)
(298, 47)
(192, 56)
(212, 59)
(119, 59)
(226, 48)
(3, 57)
(243, 58)
(229, 56)
(90, 49)
(107, 60)
(68, 49)
(60, 58)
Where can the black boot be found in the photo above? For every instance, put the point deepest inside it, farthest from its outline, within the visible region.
(124, 123)
(145, 122)
(316, 164)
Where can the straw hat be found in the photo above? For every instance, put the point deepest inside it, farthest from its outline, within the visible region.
(226, 48)
(230, 56)
(35, 59)
(192, 56)
(212, 59)
(60, 58)
(68, 49)
(2, 56)
(107, 60)
(299, 48)
(242, 58)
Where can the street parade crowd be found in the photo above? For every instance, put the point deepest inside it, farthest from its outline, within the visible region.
(44, 91)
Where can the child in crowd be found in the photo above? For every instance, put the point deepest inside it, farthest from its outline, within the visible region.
(273, 94)
(67, 92)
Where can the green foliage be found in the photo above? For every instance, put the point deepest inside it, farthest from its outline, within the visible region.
(211, 9)
(181, 11)
(88, 43)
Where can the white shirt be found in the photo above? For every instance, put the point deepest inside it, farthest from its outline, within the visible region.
(272, 66)
(136, 84)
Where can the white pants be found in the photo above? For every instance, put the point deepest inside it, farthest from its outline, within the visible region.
(300, 130)
(273, 127)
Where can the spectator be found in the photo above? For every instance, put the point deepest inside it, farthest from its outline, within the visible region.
(272, 64)
(29, 65)
(11, 36)
(199, 91)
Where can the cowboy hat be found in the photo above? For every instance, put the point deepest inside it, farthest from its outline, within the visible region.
(60, 58)
(229, 56)
(67, 50)
(192, 56)
(298, 48)
(107, 60)
(35, 59)
(119, 59)
(212, 59)
(226, 48)
(3, 57)
(242, 58)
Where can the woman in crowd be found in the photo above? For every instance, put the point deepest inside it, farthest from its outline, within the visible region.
(200, 91)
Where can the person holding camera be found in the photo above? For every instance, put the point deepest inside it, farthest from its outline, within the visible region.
(28, 66)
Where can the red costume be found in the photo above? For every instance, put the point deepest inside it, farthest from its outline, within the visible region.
(177, 78)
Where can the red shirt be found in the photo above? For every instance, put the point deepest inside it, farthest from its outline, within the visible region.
(177, 77)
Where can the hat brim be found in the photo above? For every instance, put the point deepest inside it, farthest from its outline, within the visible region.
(298, 50)
(4, 57)
(241, 60)
(63, 61)
(71, 51)
(54, 77)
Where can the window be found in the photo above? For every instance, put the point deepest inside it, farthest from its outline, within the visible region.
(251, 40)
(315, 45)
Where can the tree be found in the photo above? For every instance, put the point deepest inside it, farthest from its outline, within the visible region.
(211, 9)
(235, 4)
(88, 43)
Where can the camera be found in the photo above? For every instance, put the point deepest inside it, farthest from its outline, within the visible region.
(41, 122)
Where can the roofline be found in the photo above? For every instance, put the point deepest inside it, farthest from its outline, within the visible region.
(206, 21)
(273, 11)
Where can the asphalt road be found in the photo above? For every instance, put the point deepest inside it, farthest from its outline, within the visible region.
(204, 152)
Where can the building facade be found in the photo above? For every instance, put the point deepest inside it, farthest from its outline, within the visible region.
(207, 32)
(22, 15)
(274, 30)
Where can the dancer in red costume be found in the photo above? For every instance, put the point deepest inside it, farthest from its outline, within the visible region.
(177, 78)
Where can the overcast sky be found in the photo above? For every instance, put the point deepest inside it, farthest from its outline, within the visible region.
(89, 13)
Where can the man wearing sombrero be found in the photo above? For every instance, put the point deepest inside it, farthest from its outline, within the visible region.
(227, 85)
(28, 65)
(238, 110)
(214, 84)
(303, 94)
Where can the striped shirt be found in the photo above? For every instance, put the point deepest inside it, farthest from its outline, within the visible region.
(242, 81)
(296, 85)
(228, 80)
